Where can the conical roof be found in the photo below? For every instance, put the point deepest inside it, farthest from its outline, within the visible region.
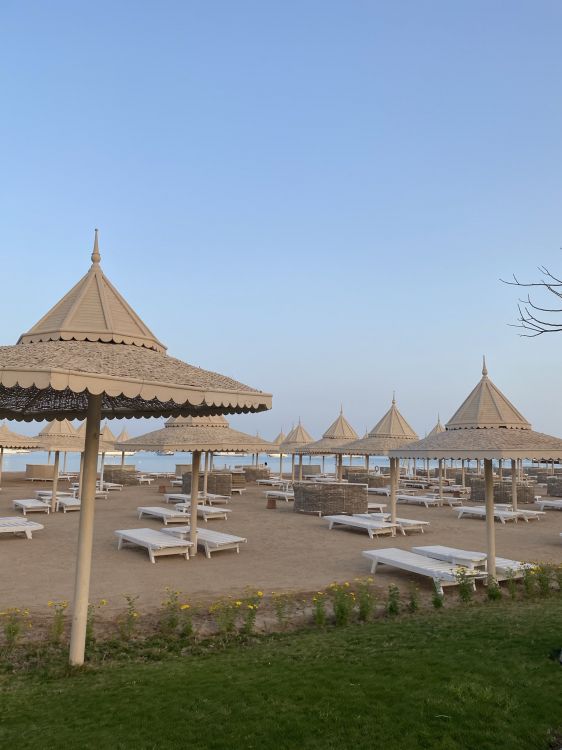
(296, 438)
(92, 342)
(107, 438)
(9, 439)
(93, 310)
(60, 427)
(340, 432)
(438, 427)
(390, 432)
(216, 421)
(486, 407)
(486, 425)
(123, 435)
(280, 438)
(197, 434)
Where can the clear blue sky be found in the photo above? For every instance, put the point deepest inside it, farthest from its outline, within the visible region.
(314, 197)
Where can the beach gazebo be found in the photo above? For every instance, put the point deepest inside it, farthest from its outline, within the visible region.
(487, 427)
(91, 356)
(281, 437)
(10, 440)
(338, 434)
(391, 431)
(296, 439)
(197, 435)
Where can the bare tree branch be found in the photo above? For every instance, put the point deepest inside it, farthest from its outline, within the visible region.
(527, 320)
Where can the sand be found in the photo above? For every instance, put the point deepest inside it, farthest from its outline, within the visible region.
(286, 551)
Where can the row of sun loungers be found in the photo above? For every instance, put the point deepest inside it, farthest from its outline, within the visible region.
(376, 524)
(443, 564)
(167, 515)
(175, 541)
(211, 499)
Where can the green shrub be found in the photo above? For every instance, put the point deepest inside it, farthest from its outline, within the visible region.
(466, 586)
(437, 597)
(493, 591)
(319, 609)
(413, 600)
(59, 616)
(343, 602)
(393, 604)
(365, 599)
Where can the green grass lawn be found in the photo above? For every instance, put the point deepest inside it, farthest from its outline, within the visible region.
(471, 678)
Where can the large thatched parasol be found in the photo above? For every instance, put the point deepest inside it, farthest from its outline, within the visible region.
(487, 427)
(13, 441)
(296, 438)
(91, 356)
(339, 433)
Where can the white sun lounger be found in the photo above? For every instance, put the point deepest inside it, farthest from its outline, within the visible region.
(46, 495)
(166, 515)
(142, 479)
(442, 573)
(546, 504)
(404, 524)
(378, 491)
(176, 497)
(270, 482)
(376, 507)
(212, 541)
(205, 511)
(17, 525)
(371, 525)
(470, 559)
(68, 503)
(526, 515)
(215, 499)
(418, 500)
(32, 506)
(479, 511)
(155, 542)
(280, 495)
(112, 486)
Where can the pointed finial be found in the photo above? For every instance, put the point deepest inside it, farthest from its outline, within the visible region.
(96, 257)
(393, 398)
(484, 368)
(341, 409)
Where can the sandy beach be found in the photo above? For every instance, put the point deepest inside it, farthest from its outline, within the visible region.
(286, 551)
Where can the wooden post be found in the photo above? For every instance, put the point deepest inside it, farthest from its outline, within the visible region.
(463, 474)
(514, 484)
(490, 528)
(55, 486)
(367, 463)
(195, 465)
(323, 463)
(292, 467)
(500, 469)
(1, 461)
(81, 473)
(281, 466)
(441, 481)
(85, 532)
(206, 475)
(300, 468)
(393, 486)
(428, 475)
(102, 467)
(122, 459)
(64, 462)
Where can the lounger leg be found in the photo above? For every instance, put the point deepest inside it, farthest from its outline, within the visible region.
(370, 533)
(151, 555)
(330, 525)
(374, 567)
(438, 586)
(28, 533)
(120, 543)
(207, 552)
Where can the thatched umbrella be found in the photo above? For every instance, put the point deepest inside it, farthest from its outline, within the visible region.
(391, 431)
(297, 438)
(277, 442)
(486, 426)
(197, 434)
(14, 441)
(339, 433)
(91, 356)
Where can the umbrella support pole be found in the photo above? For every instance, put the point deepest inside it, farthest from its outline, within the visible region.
(394, 469)
(206, 475)
(514, 484)
(281, 466)
(1, 461)
(490, 528)
(463, 474)
(293, 467)
(195, 465)
(122, 458)
(300, 468)
(441, 481)
(54, 488)
(102, 467)
(85, 532)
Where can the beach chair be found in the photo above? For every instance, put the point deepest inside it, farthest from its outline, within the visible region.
(31, 506)
(46, 495)
(426, 500)
(67, 504)
(176, 497)
(155, 542)
(111, 486)
(403, 524)
(378, 491)
(505, 568)
(166, 515)
(479, 511)
(543, 503)
(524, 513)
(211, 541)
(371, 525)
(213, 499)
(442, 573)
(280, 495)
(18, 525)
(373, 507)
(143, 479)
(205, 512)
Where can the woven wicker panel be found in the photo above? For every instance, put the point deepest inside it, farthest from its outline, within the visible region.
(324, 498)
(218, 483)
(252, 473)
(502, 491)
(554, 486)
(121, 475)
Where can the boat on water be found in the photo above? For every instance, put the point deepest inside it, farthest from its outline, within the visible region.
(165, 453)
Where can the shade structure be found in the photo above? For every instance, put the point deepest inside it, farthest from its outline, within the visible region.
(296, 438)
(64, 437)
(488, 427)
(340, 432)
(438, 428)
(205, 434)
(279, 439)
(91, 356)
(12, 440)
(391, 431)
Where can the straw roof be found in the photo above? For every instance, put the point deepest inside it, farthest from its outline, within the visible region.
(93, 342)
(123, 435)
(63, 436)
(296, 438)
(438, 428)
(338, 433)
(197, 434)
(390, 432)
(480, 438)
(9, 439)
(487, 407)
(279, 439)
